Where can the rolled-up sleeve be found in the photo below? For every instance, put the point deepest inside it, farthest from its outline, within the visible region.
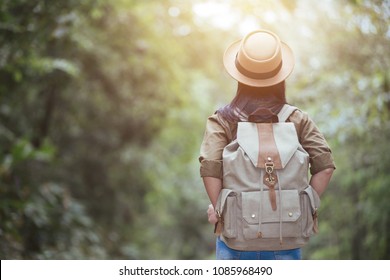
(214, 141)
(313, 141)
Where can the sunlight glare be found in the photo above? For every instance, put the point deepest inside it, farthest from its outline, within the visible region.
(219, 14)
(247, 25)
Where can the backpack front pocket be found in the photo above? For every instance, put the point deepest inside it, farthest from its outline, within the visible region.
(230, 217)
(261, 221)
(310, 203)
(227, 206)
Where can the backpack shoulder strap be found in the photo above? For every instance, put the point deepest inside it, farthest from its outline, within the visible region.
(285, 112)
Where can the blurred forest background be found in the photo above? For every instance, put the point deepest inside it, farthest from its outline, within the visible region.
(102, 112)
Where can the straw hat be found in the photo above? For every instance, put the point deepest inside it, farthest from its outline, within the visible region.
(260, 59)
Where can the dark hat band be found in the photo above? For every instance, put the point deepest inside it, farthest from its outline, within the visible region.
(254, 75)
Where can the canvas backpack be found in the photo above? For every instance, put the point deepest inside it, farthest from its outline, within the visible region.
(266, 202)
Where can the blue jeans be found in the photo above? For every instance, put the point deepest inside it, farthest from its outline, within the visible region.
(223, 252)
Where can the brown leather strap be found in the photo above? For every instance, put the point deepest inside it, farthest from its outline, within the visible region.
(315, 222)
(268, 158)
(270, 179)
(272, 197)
(267, 146)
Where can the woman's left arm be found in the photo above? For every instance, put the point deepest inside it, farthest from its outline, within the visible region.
(320, 180)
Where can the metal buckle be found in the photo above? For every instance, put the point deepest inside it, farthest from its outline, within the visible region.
(269, 167)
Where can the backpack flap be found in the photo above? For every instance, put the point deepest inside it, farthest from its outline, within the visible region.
(247, 138)
(286, 140)
(264, 141)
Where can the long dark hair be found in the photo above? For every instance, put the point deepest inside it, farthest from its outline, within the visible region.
(265, 101)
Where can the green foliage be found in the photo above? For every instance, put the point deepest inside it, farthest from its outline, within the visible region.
(103, 106)
(349, 99)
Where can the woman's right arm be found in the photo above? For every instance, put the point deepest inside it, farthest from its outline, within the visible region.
(213, 188)
(214, 141)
